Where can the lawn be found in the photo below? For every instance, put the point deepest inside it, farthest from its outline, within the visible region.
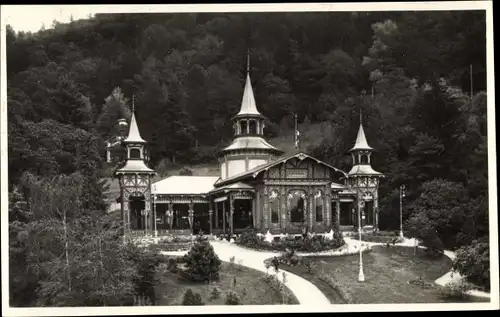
(387, 274)
(250, 287)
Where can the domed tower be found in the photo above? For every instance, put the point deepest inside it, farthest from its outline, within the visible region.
(364, 180)
(135, 182)
(249, 148)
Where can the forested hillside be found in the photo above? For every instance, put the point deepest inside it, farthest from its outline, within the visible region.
(411, 73)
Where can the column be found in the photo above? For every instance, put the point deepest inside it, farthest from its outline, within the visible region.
(191, 216)
(170, 217)
(327, 209)
(248, 126)
(210, 212)
(224, 216)
(283, 212)
(254, 217)
(147, 211)
(266, 209)
(311, 208)
(375, 210)
(337, 207)
(257, 126)
(125, 212)
(231, 212)
(216, 205)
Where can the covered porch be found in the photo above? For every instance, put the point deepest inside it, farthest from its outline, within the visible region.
(233, 209)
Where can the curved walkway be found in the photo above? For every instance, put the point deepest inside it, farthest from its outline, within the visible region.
(305, 292)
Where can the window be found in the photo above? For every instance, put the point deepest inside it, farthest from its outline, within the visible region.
(135, 153)
(296, 205)
(253, 127)
(318, 205)
(364, 159)
(243, 125)
(274, 204)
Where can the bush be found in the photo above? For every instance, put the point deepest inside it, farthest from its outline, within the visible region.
(215, 294)
(192, 299)
(202, 264)
(232, 298)
(473, 262)
(455, 291)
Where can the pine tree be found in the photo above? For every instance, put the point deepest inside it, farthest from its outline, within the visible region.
(201, 261)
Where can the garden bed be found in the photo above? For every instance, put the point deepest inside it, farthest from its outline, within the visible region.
(316, 243)
(251, 287)
(390, 275)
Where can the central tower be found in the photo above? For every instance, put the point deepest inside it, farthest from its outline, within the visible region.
(249, 149)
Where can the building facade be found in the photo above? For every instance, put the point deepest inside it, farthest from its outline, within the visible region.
(259, 187)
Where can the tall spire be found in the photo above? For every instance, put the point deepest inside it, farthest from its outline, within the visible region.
(248, 106)
(361, 143)
(133, 133)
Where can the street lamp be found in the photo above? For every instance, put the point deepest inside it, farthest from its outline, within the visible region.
(154, 210)
(401, 195)
(361, 276)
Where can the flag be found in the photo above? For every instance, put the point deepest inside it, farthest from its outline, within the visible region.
(297, 141)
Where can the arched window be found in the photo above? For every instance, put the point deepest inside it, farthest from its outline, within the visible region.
(318, 205)
(364, 159)
(243, 125)
(297, 205)
(135, 153)
(274, 203)
(253, 127)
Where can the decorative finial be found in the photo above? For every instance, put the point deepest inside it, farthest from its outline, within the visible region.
(133, 102)
(360, 116)
(248, 61)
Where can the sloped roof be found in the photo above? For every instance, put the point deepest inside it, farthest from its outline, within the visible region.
(361, 143)
(248, 105)
(184, 185)
(363, 169)
(135, 166)
(133, 133)
(338, 186)
(234, 186)
(250, 142)
(264, 167)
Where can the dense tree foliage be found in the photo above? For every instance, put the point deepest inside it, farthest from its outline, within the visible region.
(409, 73)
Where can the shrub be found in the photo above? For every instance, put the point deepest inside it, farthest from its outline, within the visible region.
(215, 294)
(172, 265)
(473, 262)
(455, 291)
(202, 264)
(192, 299)
(232, 298)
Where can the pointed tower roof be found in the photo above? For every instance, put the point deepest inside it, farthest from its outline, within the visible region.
(133, 133)
(361, 143)
(248, 105)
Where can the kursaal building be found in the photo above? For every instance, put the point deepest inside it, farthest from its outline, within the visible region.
(259, 188)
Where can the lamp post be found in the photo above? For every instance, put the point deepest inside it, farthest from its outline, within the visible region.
(401, 195)
(361, 276)
(154, 210)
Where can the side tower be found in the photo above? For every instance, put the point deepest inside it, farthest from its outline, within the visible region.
(364, 180)
(135, 179)
(249, 149)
